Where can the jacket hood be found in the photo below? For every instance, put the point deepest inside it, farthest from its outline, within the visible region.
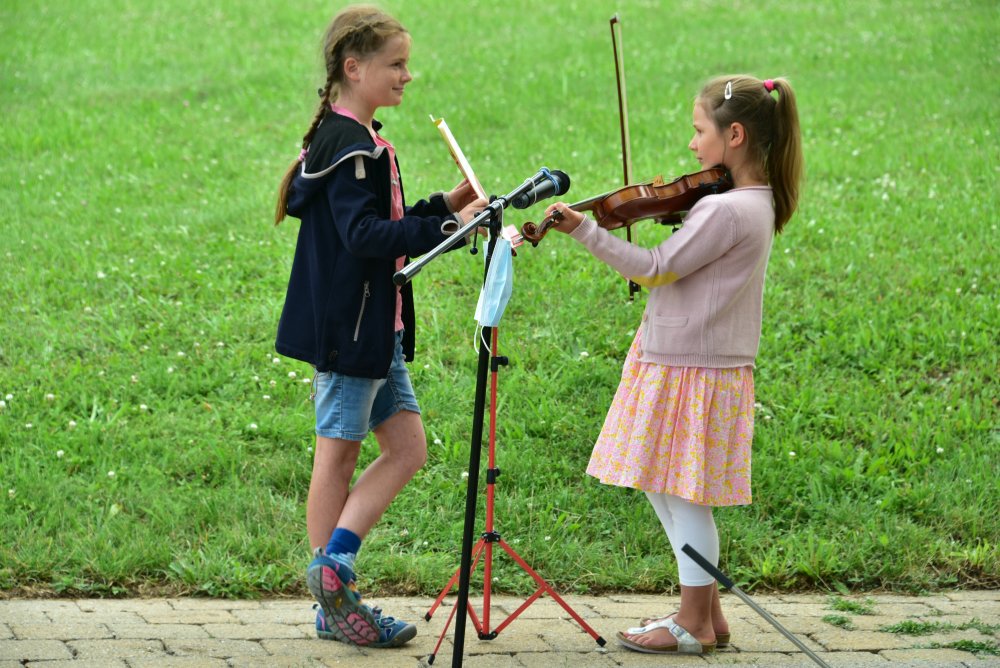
(337, 140)
(308, 184)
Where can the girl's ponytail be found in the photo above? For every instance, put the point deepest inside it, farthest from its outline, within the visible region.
(772, 126)
(784, 159)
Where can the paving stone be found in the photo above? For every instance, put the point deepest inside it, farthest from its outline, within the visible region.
(159, 631)
(50, 630)
(77, 663)
(95, 617)
(933, 657)
(567, 660)
(33, 650)
(252, 631)
(178, 662)
(27, 612)
(135, 605)
(285, 615)
(276, 661)
(116, 649)
(851, 659)
(212, 604)
(192, 616)
(839, 640)
(311, 648)
(213, 647)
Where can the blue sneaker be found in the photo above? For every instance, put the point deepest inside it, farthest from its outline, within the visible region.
(333, 585)
(392, 632)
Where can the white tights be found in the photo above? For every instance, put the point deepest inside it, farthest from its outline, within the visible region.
(687, 522)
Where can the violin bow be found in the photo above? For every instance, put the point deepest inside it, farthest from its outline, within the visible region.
(623, 121)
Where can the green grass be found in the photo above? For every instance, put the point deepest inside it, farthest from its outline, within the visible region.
(865, 607)
(973, 646)
(840, 621)
(912, 627)
(143, 281)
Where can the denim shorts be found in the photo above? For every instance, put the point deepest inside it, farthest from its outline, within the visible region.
(348, 407)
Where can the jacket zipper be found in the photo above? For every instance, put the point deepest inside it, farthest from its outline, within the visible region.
(364, 302)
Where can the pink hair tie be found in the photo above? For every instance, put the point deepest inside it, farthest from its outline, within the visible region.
(302, 154)
(769, 85)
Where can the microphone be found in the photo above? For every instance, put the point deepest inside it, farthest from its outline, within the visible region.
(552, 183)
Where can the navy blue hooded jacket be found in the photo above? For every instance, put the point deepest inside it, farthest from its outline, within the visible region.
(340, 307)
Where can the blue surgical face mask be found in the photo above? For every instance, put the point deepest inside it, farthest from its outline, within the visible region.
(499, 283)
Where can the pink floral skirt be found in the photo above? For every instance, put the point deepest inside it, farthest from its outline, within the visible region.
(685, 431)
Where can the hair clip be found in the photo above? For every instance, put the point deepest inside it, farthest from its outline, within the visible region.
(729, 90)
(769, 85)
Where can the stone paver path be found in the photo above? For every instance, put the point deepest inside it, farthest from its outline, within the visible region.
(206, 633)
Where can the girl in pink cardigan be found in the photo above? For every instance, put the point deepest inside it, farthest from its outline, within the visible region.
(681, 422)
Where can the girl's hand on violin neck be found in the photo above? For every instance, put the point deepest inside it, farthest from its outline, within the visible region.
(564, 218)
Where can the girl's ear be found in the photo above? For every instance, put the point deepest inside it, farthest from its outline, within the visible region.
(736, 135)
(352, 68)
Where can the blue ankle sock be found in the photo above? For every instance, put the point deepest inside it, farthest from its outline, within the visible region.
(343, 547)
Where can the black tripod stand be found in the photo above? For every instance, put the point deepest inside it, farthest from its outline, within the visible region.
(492, 218)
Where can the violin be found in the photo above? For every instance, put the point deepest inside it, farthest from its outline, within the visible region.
(663, 202)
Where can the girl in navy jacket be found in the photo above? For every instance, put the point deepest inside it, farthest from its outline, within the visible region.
(343, 314)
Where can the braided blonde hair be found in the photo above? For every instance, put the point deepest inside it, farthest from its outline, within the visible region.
(358, 31)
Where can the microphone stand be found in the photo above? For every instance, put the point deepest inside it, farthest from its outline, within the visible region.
(492, 218)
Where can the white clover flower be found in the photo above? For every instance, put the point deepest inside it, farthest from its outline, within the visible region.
(307, 380)
(273, 383)
(276, 360)
(9, 397)
(548, 538)
(404, 532)
(71, 425)
(292, 374)
(3, 404)
(267, 397)
(101, 275)
(220, 344)
(28, 425)
(59, 454)
(11, 493)
(465, 475)
(256, 379)
(111, 474)
(50, 397)
(791, 453)
(437, 441)
(940, 451)
(584, 353)
(143, 407)
(170, 369)
(253, 426)
(181, 353)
